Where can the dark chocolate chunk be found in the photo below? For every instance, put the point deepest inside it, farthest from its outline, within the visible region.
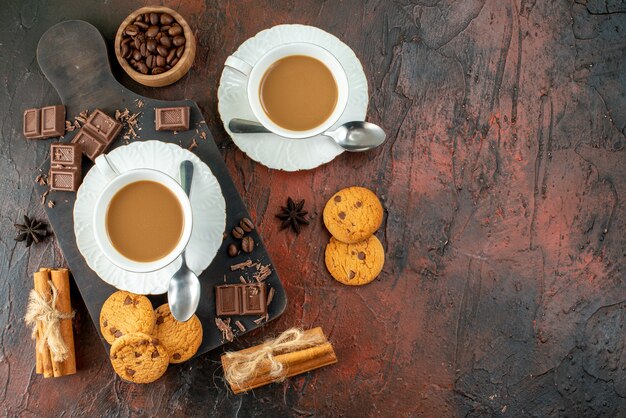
(44, 123)
(176, 356)
(52, 121)
(155, 354)
(130, 372)
(172, 118)
(228, 300)
(241, 299)
(99, 131)
(32, 124)
(254, 299)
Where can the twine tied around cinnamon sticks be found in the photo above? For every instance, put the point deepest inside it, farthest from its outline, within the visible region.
(41, 309)
(293, 352)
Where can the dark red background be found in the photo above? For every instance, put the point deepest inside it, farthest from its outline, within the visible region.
(503, 181)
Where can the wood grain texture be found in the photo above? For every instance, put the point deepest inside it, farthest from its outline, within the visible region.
(503, 182)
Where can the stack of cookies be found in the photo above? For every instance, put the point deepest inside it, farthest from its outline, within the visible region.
(144, 341)
(354, 256)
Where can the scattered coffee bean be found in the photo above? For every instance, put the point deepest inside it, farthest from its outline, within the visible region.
(247, 244)
(233, 251)
(153, 43)
(238, 232)
(246, 224)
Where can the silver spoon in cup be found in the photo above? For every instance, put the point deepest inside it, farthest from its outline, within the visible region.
(353, 136)
(183, 293)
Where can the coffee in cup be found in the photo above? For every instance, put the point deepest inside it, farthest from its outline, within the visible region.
(296, 90)
(142, 218)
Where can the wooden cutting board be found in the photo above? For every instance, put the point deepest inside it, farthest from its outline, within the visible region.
(73, 57)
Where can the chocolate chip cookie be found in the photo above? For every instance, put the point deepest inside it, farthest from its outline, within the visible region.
(180, 339)
(139, 358)
(355, 264)
(353, 214)
(123, 313)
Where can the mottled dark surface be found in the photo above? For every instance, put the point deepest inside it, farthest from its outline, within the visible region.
(503, 179)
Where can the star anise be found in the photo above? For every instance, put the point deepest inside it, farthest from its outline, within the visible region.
(31, 231)
(293, 215)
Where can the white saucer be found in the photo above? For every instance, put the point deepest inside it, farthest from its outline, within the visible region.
(272, 150)
(207, 204)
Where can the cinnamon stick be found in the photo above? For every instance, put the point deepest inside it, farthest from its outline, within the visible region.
(41, 285)
(61, 280)
(294, 363)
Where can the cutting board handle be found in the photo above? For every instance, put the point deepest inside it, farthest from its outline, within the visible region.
(73, 56)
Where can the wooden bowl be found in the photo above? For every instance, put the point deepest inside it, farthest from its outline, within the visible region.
(173, 74)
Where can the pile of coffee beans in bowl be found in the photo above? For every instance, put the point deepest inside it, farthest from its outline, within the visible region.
(153, 43)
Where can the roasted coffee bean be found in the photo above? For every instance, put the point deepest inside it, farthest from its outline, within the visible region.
(246, 224)
(168, 67)
(139, 18)
(179, 51)
(141, 25)
(126, 41)
(141, 37)
(165, 28)
(125, 50)
(141, 66)
(166, 19)
(152, 31)
(175, 30)
(146, 17)
(174, 62)
(163, 51)
(171, 56)
(247, 244)
(131, 30)
(132, 62)
(151, 45)
(179, 40)
(159, 35)
(136, 55)
(154, 19)
(233, 251)
(150, 60)
(238, 232)
(137, 42)
(160, 61)
(142, 49)
(158, 70)
(166, 41)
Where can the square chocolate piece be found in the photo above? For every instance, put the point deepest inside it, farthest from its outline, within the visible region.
(52, 121)
(90, 144)
(65, 154)
(64, 179)
(103, 125)
(228, 300)
(254, 299)
(97, 134)
(32, 124)
(172, 118)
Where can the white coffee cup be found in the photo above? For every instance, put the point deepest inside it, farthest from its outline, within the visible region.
(255, 71)
(117, 181)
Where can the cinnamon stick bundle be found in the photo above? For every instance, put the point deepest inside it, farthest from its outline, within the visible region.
(273, 360)
(48, 362)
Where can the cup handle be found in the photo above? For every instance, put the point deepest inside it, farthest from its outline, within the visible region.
(239, 65)
(106, 167)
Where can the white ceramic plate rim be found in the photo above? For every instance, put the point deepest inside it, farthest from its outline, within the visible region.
(207, 202)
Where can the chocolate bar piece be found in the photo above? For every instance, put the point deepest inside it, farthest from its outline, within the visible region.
(172, 118)
(241, 299)
(44, 123)
(32, 124)
(52, 121)
(65, 167)
(97, 134)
